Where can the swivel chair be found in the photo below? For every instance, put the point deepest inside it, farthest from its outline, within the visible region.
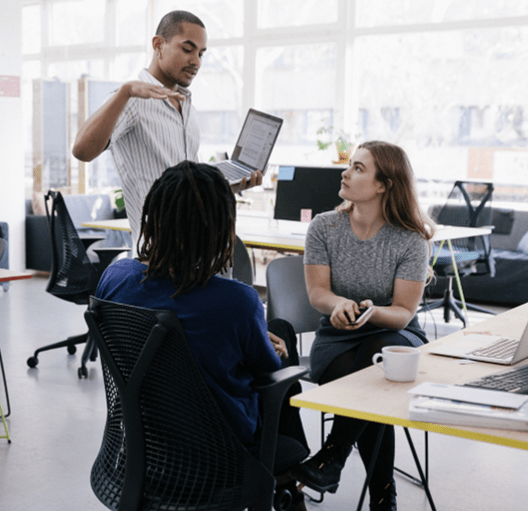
(166, 444)
(468, 205)
(73, 277)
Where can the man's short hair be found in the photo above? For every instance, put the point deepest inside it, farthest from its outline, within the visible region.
(171, 23)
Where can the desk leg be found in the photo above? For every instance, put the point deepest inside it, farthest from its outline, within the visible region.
(457, 277)
(371, 467)
(5, 386)
(423, 477)
(373, 463)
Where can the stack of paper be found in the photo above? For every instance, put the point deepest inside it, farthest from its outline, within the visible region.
(466, 406)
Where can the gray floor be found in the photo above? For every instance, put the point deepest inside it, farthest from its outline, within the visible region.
(57, 420)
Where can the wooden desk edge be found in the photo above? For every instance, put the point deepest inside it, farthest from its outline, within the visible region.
(483, 435)
(100, 227)
(16, 277)
(272, 246)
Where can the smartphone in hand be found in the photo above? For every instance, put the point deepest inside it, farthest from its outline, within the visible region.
(363, 316)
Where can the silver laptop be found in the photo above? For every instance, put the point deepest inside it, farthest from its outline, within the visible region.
(486, 348)
(253, 147)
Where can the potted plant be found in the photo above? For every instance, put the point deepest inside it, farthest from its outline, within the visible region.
(343, 143)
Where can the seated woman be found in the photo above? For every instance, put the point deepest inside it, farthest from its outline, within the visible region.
(372, 251)
(187, 238)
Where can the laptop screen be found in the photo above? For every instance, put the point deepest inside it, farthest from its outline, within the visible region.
(256, 140)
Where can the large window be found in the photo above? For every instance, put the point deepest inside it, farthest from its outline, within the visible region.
(443, 78)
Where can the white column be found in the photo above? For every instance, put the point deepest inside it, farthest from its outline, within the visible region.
(11, 131)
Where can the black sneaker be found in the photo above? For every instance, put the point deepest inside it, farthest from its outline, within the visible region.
(323, 471)
(386, 500)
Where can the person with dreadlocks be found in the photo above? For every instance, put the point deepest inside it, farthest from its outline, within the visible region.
(187, 239)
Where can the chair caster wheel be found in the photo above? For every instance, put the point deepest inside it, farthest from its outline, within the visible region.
(32, 362)
(82, 372)
(72, 349)
(282, 500)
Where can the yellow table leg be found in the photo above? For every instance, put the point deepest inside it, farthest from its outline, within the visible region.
(459, 284)
(5, 426)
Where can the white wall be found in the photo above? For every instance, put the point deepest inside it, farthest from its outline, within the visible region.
(11, 134)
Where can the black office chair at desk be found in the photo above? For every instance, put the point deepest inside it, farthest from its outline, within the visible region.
(73, 277)
(468, 205)
(243, 270)
(166, 444)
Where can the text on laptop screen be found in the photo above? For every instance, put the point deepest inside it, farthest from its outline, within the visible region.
(256, 140)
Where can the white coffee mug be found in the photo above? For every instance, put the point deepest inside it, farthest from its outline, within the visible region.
(400, 363)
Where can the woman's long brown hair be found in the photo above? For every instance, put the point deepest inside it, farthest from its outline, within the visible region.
(400, 201)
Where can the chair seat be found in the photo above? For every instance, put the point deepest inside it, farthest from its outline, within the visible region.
(465, 261)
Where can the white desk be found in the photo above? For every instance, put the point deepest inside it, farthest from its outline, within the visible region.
(256, 232)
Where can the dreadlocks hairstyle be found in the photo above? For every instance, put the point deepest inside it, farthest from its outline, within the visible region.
(188, 226)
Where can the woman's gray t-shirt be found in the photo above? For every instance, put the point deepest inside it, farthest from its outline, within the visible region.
(360, 270)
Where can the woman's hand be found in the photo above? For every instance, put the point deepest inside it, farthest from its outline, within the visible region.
(345, 312)
(278, 345)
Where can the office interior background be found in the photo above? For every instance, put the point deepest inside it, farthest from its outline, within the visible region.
(445, 79)
(442, 78)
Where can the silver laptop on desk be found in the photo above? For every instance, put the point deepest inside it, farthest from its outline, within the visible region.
(253, 147)
(486, 348)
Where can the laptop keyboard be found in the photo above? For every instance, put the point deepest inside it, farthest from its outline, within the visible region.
(512, 380)
(502, 349)
(232, 171)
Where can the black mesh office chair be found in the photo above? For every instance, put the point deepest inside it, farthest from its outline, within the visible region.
(468, 205)
(73, 277)
(166, 444)
(287, 298)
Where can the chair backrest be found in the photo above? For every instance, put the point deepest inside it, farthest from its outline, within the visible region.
(242, 267)
(469, 205)
(166, 444)
(73, 277)
(287, 297)
(3, 245)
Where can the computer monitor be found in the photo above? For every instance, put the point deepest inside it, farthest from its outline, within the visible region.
(307, 191)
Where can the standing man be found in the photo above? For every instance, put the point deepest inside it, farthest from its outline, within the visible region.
(150, 124)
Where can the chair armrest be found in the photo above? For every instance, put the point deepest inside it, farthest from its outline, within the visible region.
(272, 382)
(90, 240)
(107, 255)
(272, 388)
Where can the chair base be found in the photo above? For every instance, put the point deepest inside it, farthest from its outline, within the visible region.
(450, 303)
(90, 351)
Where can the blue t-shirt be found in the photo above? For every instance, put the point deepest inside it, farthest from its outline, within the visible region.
(225, 325)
